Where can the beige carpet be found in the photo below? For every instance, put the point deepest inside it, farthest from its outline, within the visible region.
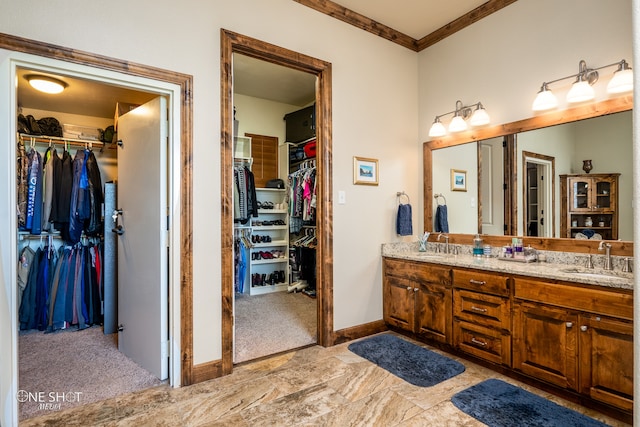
(272, 323)
(73, 368)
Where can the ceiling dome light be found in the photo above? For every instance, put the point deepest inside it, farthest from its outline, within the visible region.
(437, 129)
(580, 91)
(46, 84)
(622, 80)
(457, 124)
(545, 100)
(480, 117)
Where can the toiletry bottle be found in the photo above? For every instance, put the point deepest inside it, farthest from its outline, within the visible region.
(519, 250)
(477, 245)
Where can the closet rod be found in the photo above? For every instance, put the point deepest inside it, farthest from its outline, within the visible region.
(71, 141)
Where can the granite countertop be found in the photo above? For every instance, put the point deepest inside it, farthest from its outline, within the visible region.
(570, 269)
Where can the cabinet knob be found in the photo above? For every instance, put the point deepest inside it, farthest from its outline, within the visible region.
(584, 328)
(409, 288)
(569, 324)
(415, 289)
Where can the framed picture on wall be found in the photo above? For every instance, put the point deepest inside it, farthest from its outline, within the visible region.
(365, 171)
(458, 180)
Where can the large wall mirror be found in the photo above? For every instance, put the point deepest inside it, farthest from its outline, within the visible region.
(513, 175)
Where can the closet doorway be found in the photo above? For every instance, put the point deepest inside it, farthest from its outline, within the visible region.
(275, 306)
(144, 163)
(233, 43)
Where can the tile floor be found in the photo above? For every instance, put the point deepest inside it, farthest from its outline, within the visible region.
(314, 386)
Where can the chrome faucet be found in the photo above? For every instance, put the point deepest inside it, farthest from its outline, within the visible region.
(446, 242)
(607, 254)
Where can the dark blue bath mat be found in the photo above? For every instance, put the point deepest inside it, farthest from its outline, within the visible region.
(412, 363)
(499, 404)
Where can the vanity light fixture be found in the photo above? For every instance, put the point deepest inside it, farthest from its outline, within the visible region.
(46, 84)
(582, 89)
(479, 117)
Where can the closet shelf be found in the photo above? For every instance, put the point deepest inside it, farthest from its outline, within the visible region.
(70, 141)
(270, 261)
(269, 227)
(273, 243)
(275, 190)
(272, 211)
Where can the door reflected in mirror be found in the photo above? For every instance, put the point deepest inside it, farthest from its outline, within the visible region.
(542, 155)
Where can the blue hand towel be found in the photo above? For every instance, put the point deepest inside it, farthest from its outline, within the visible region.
(441, 223)
(404, 226)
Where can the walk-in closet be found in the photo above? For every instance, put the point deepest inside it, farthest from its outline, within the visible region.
(275, 305)
(71, 220)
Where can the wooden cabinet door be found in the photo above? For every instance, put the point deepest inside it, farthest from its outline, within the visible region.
(399, 302)
(434, 312)
(580, 194)
(545, 343)
(606, 360)
(264, 151)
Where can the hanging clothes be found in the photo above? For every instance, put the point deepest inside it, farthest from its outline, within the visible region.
(27, 310)
(246, 193)
(302, 197)
(47, 187)
(63, 288)
(93, 226)
(63, 185)
(33, 221)
(22, 169)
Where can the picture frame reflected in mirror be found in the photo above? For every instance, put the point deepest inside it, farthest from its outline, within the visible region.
(458, 180)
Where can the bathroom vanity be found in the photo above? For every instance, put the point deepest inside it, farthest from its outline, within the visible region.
(557, 324)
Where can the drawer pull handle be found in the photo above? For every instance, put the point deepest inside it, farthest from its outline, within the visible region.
(478, 342)
(479, 309)
(477, 282)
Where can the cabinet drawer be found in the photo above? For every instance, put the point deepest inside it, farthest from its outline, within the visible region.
(485, 343)
(417, 271)
(482, 282)
(613, 303)
(482, 309)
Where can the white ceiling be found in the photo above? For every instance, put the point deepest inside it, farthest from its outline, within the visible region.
(261, 79)
(81, 97)
(252, 77)
(415, 18)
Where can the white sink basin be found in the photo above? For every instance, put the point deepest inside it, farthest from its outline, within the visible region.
(427, 255)
(595, 275)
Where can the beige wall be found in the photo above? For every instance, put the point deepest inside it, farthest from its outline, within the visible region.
(503, 59)
(374, 115)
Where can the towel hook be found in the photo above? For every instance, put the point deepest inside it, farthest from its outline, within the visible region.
(435, 196)
(399, 194)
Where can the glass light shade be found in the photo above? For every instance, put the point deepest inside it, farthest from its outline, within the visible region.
(622, 81)
(457, 124)
(437, 129)
(580, 91)
(46, 84)
(545, 100)
(479, 117)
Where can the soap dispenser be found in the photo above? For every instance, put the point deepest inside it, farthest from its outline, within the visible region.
(477, 245)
